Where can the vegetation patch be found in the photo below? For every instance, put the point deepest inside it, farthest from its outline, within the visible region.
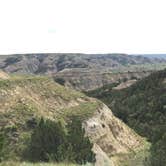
(142, 107)
(56, 138)
(51, 141)
(81, 112)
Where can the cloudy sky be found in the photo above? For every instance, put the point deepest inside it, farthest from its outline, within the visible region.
(89, 26)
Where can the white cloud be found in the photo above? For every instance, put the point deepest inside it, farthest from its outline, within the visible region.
(129, 26)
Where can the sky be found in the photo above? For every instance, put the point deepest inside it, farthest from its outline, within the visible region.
(84, 26)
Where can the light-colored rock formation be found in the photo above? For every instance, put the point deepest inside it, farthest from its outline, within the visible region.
(110, 136)
(124, 85)
(3, 75)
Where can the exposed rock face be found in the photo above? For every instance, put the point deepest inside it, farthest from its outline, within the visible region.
(110, 136)
(102, 158)
(124, 85)
(3, 75)
(53, 63)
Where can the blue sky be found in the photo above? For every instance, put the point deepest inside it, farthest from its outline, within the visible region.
(89, 26)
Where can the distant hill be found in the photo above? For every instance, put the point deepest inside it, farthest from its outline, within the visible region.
(82, 71)
(158, 56)
(53, 63)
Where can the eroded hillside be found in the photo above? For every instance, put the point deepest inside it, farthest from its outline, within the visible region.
(3, 75)
(23, 100)
(52, 63)
(86, 80)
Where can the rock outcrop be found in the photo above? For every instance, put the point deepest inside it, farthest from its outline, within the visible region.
(124, 85)
(111, 137)
(3, 75)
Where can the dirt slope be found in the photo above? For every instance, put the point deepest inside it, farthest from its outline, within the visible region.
(3, 75)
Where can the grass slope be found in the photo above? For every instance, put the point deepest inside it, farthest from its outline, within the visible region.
(24, 100)
(38, 164)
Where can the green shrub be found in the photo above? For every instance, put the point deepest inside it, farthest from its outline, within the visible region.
(2, 142)
(60, 81)
(158, 152)
(50, 141)
(80, 144)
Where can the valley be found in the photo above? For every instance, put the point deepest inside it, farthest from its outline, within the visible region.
(83, 109)
(82, 72)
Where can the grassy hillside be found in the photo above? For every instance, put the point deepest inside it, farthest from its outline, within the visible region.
(39, 164)
(36, 164)
(24, 100)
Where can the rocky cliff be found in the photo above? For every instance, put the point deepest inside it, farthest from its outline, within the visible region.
(112, 139)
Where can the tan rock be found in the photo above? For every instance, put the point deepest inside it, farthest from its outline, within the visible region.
(110, 136)
(3, 75)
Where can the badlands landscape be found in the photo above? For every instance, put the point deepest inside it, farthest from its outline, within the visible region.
(82, 109)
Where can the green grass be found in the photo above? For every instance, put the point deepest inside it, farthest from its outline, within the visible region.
(35, 164)
(82, 111)
(40, 84)
(12, 163)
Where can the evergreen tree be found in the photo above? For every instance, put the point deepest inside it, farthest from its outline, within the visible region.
(51, 142)
(45, 140)
(82, 147)
(158, 152)
(2, 140)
